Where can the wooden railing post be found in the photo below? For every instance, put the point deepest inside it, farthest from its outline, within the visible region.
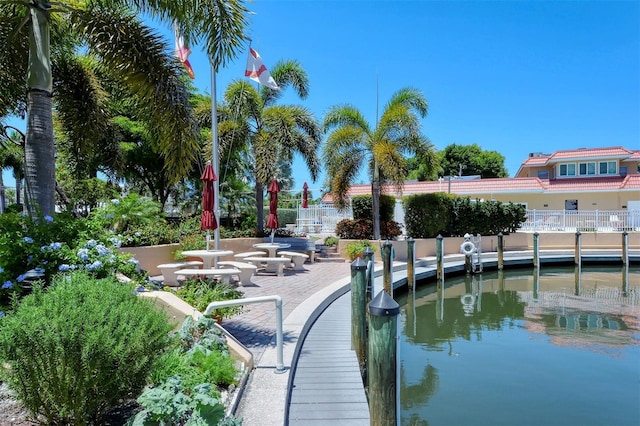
(358, 309)
(536, 249)
(367, 256)
(411, 264)
(387, 285)
(439, 257)
(578, 251)
(381, 362)
(500, 251)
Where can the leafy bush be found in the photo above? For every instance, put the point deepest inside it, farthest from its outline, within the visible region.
(351, 229)
(54, 244)
(171, 404)
(331, 241)
(427, 215)
(362, 206)
(131, 211)
(356, 248)
(186, 378)
(199, 292)
(78, 349)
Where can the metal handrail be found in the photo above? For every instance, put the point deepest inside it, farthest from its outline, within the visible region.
(253, 300)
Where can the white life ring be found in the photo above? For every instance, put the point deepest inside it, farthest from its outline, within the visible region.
(467, 248)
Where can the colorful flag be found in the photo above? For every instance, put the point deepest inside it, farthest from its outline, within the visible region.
(182, 51)
(256, 71)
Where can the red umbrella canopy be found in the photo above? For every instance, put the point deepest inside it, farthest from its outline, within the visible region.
(305, 195)
(272, 221)
(208, 219)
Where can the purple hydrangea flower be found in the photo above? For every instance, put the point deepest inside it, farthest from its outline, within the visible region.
(48, 218)
(7, 285)
(63, 267)
(55, 246)
(21, 278)
(28, 240)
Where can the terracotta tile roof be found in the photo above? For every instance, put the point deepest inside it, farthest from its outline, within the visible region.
(508, 185)
(615, 152)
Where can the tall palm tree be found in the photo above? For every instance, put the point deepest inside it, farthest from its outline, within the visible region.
(38, 37)
(351, 142)
(273, 132)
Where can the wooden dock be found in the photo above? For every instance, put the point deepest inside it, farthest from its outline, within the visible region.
(327, 386)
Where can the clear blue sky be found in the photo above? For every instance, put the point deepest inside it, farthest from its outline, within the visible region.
(511, 76)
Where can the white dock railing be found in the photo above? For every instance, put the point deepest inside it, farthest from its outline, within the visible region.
(582, 220)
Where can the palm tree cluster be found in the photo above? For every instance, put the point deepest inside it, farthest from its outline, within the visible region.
(118, 102)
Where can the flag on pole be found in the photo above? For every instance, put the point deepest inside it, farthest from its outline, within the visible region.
(182, 51)
(256, 71)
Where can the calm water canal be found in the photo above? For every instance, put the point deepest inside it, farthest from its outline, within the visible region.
(561, 347)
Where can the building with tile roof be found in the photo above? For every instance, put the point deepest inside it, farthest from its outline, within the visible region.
(578, 179)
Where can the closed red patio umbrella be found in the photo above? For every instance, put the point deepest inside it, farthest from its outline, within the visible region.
(272, 220)
(208, 219)
(305, 195)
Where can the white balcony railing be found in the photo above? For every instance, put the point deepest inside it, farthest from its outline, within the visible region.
(582, 220)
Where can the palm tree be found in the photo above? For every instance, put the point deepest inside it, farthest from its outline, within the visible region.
(351, 142)
(127, 50)
(273, 132)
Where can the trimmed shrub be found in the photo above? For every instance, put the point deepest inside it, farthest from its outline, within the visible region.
(427, 215)
(362, 206)
(78, 349)
(358, 229)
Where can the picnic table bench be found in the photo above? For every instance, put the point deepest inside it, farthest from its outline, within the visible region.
(271, 264)
(223, 273)
(246, 270)
(168, 271)
(297, 259)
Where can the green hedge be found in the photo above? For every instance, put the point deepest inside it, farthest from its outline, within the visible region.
(427, 215)
(362, 206)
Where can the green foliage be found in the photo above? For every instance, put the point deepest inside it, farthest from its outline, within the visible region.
(363, 228)
(120, 214)
(356, 248)
(427, 215)
(78, 349)
(331, 241)
(171, 404)
(286, 216)
(199, 292)
(362, 206)
(474, 161)
(54, 244)
(186, 378)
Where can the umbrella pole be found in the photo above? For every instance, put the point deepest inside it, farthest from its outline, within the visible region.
(208, 239)
(273, 231)
(215, 159)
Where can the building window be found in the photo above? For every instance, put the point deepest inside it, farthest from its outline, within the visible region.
(608, 168)
(568, 169)
(587, 169)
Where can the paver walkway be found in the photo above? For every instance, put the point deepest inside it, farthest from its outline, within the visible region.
(255, 328)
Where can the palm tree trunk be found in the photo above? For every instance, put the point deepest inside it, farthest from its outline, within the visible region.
(260, 206)
(39, 146)
(39, 167)
(18, 188)
(3, 201)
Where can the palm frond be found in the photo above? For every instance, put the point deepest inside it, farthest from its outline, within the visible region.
(345, 115)
(139, 58)
(287, 74)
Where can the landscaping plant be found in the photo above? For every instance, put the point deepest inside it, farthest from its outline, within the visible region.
(186, 379)
(81, 347)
